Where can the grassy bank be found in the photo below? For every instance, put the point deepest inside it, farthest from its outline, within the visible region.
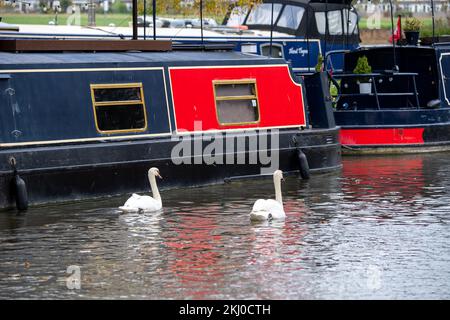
(123, 20)
(441, 26)
(119, 20)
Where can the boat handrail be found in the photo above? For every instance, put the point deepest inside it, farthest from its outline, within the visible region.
(377, 94)
(327, 58)
(375, 74)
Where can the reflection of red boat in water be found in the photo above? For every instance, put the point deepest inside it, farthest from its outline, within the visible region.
(201, 255)
(192, 254)
(376, 177)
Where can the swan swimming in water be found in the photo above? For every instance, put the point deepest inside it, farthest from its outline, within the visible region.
(270, 209)
(137, 203)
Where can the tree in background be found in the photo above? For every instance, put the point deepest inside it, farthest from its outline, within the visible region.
(65, 4)
(119, 7)
(212, 8)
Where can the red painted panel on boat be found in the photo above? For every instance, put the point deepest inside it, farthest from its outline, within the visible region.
(395, 136)
(280, 99)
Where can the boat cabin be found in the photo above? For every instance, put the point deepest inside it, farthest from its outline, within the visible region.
(405, 106)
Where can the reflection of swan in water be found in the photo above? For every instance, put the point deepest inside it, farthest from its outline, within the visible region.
(270, 209)
(137, 203)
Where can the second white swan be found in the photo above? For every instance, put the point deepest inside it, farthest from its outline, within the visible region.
(270, 209)
(137, 203)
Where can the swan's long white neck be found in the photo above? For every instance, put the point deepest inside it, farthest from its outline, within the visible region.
(154, 187)
(277, 184)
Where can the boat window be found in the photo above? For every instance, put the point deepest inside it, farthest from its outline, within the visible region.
(119, 107)
(291, 17)
(117, 94)
(237, 16)
(236, 102)
(261, 14)
(350, 19)
(334, 22)
(277, 50)
(320, 22)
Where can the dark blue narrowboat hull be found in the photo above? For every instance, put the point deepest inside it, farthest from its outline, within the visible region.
(85, 171)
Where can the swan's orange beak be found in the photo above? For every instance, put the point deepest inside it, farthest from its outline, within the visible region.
(158, 175)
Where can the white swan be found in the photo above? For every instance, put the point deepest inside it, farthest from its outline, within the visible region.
(270, 209)
(137, 203)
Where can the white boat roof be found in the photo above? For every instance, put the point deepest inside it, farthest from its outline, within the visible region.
(8, 27)
(168, 33)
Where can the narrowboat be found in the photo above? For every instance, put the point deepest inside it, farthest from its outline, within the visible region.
(82, 119)
(299, 31)
(407, 106)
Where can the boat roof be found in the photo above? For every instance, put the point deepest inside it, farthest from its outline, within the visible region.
(10, 60)
(8, 27)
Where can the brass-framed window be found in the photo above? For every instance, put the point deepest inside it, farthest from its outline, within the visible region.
(236, 102)
(119, 107)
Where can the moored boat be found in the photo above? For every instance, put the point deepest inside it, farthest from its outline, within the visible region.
(407, 108)
(87, 119)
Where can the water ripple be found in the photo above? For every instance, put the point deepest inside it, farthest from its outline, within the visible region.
(378, 229)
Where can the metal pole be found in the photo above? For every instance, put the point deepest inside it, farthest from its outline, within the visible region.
(145, 18)
(432, 18)
(135, 29)
(307, 38)
(348, 26)
(201, 21)
(154, 19)
(326, 29)
(271, 32)
(392, 33)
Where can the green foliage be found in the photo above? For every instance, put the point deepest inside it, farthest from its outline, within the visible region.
(43, 6)
(362, 67)
(319, 64)
(212, 8)
(65, 4)
(119, 7)
(442, 27)
(404, 13)
(412, 24)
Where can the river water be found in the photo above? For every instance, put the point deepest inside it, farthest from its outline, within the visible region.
(377, 229)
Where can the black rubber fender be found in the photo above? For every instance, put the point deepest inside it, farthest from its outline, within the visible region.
(303, 165)
(20, 193)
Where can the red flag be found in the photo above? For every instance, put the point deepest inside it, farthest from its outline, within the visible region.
(398, 30)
